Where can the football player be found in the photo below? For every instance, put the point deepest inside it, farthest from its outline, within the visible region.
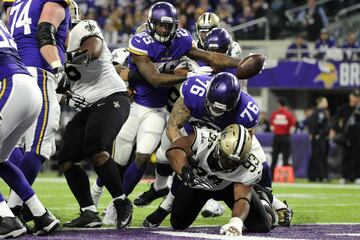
(224, 167)
(101, 97)
(154, 54)
(20, 105)
(40, 29)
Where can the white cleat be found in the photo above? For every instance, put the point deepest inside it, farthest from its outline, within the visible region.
(212, 208)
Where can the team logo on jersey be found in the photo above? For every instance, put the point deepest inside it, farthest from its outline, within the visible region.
(116, 104)
(90, 27)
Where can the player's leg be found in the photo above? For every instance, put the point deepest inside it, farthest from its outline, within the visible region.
(122, 149)
(148, 138)
(21, 108)
(10, 226)
(103, 125)
(156, 217)
(70, 154)
(187, 206)
(274, 153)
(162, 172)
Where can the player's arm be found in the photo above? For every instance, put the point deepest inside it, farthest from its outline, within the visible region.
(180, 114)
(149, 71)
(90, 49)
(51, 17)
(240, 211)
(213, 58)
(178, 154)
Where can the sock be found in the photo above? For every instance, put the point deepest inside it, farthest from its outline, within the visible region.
(91, 208)
(16, 180)
(35, 206)
(167, 203)
(79, 185)
(110, 176)
(120, 197)
(175, 185)
(14, 200)
(277, 204)
(31, 166)
(132, 177)
(99, 183)
(122, 170)
(4, 209)
(163, 171)
(16, 156)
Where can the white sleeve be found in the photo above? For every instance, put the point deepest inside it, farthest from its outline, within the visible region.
(83, 29)
(235, 50)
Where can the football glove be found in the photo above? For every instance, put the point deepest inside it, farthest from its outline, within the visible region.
(204, 183)
(233, 228)
(200, 71)
(76, 101)
(187, 175)
(78, 57)
(63, 81)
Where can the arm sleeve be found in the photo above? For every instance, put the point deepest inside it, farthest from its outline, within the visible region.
(83, 30)
(137, 45)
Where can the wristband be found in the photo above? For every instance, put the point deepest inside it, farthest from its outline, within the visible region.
(55, 64)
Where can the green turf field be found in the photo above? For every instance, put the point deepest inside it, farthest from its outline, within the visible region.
(312, 203)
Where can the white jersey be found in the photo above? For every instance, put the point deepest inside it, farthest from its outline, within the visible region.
(248, 173)
(99, 79)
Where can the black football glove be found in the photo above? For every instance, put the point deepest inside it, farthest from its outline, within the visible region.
(63, 81)
(78, 57)
(187, 175)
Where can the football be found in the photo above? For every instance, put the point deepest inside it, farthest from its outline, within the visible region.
(250, 66)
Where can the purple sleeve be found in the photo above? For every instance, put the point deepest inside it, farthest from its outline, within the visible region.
(185, 39)
(188, 91)
(138, 44)
(249, 111)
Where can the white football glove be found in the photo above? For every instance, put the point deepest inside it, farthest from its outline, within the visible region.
(204, 183)
(233, 228)
(200, 71)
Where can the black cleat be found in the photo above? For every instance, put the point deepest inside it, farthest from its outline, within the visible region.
(124, 209)
(285, 215)
(45, 224)
(150, 195)
(11, 227)
(18, 212)
(87, 219)
(155, 218)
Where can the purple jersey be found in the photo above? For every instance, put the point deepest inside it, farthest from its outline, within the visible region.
(23, 25)
(165, 56)
(246, 112)
(10, 62)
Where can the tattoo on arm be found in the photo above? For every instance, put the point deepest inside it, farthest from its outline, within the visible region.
(180, 114)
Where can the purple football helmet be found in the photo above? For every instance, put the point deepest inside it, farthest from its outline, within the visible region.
(217, 40)
(223, 93)
(162, 21)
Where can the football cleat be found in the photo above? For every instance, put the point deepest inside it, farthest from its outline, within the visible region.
(96, 193)
(285, 215)
(18, 211)
(124, 209)
(150, 195)
(45, 224)
(212, 208)
(87, 219)
(155, 218)
(11, 227)
(110, 215)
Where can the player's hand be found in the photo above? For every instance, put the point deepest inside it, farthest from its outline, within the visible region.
(200, 71)
(233, 228)
(63, 81)
(76, 101)
(204, 183)
(187, 175)
(78, 57)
